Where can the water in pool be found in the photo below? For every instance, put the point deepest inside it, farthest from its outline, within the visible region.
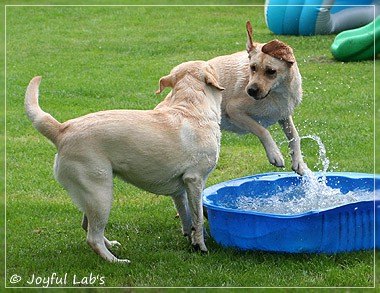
(310, 195)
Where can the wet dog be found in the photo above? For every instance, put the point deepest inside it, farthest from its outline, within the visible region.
(170, 151)
(262, 87)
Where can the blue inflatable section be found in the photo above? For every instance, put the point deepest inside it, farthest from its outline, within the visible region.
(318, 17)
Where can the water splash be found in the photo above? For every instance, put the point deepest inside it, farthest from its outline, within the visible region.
(322, 152)
(312, 193)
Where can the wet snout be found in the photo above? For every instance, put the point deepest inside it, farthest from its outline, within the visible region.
(253, 91)
(256, 92)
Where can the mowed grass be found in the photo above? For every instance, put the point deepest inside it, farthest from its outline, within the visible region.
(97, 58)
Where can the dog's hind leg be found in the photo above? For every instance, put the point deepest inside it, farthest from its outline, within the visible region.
(194, 187)
(97, 207)
(97, 220)
(91, 191)
(182, 206)
(109, 243)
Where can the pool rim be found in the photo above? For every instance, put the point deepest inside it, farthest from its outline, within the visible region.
(272, 176)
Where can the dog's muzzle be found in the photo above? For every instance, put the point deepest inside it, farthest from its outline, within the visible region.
(254, 92)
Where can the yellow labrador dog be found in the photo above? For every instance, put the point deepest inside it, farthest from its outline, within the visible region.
(263, 86)
(168, 151)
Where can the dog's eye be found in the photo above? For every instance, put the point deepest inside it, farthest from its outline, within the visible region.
(271, 71)
(253, 68)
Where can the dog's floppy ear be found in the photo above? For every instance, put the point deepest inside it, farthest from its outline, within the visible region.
(279, 50)
(250, 44)
(166, 81)
(210, 77)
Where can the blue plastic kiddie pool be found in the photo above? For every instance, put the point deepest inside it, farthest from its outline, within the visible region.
(343, 228)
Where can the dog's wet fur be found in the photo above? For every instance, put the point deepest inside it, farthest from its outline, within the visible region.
(262, 87)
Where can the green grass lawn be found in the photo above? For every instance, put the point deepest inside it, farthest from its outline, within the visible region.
(97, 58)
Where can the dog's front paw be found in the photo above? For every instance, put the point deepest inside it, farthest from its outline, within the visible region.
(300, 168)
(275, 158)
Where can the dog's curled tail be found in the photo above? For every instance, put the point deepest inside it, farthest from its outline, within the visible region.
(41, 120)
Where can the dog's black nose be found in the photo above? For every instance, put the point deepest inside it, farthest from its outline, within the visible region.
(253, 91)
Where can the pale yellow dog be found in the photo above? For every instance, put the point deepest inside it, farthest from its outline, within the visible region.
(262, 87)
(169, 151)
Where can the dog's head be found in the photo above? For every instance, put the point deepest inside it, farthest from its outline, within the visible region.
(270, 65)
(195, 73)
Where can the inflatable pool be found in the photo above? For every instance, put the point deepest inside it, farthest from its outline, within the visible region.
(318, 17)
(274, 212)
